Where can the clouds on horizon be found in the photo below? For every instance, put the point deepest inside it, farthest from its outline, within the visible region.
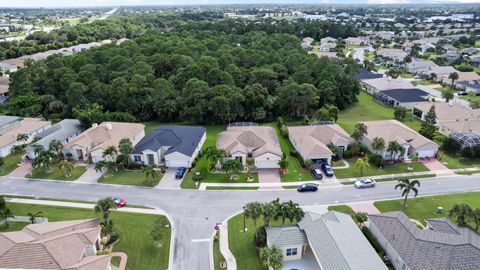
(85, 3)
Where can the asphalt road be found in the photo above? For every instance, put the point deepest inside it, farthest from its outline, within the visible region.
(195, 213)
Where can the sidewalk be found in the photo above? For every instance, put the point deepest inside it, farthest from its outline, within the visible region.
(123, 260)
(225, 250)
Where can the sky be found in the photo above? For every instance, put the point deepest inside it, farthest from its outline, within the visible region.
(83, 3)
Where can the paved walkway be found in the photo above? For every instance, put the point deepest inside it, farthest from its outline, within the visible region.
(434, 165)
(224, 249)
(367, 207)
(123, 260)
(345, 165)
(22, 170)
(90, 175)
(168, 180)
(269, 176)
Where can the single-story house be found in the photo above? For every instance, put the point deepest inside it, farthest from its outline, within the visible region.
(354, 41)
(7, 121)
(245, 141)
(328, 40)
(406, 98)
(331, 55)
(308, 40)
(469, 86)
(439, 71)
(462, 78)
(95, 140)
(330, 241)
(475, 60)
(471, 125)
(306, 46)
(449, 57)
(446, 112)
(381, 84)
(172, 146)
(12, 64)
(63, 245)
(393, 130)
(469, 51)
(442, 245)
(63, 131)
(326, 47)
(311, 142)
(394, 54)
(419, 64)
(4, 88)
(28, 126)
(365, 74)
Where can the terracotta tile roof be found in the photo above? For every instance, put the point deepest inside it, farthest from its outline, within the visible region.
(393, 130)
(106, 134)
(258, 139)
(55, 245)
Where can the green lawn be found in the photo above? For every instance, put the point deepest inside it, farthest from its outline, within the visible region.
(406, 75)
(422, 208)
(10, 164)
(217, 255)
(295, 170)
(123, 177)
(232, 188)
(343, 208)
(477, 43)
(394, 179)
(56, 174)
(13, 226)
(242, 244)
(373, 170)
(133, 229)
(443, 89)
(366, 109)
(477, 70)
(453, 162)
(471, 98)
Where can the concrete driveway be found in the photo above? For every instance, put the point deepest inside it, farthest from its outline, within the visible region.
(169, 181)
(90, 175)
(269, 176)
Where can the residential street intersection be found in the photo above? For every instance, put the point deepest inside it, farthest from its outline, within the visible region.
(194, 213)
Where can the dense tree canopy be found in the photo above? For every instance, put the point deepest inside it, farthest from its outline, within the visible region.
(201, 76)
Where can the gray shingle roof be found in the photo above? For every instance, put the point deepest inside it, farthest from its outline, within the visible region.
(60, 131)
(5, 119)
(286, 235)
(182, 139)
(444, 247)
(338, 244)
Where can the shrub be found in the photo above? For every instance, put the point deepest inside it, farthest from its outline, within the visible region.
(261, 240)
(468, 152)
(113, 238)
(284, 131)
(280, 122)
(376, 160)
(451, 146)
(464, 68)
(197, 177)
(373, 241)
(307, 163)
(103, 252)
(2, 161)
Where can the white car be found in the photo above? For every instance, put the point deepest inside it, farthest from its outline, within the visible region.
(365, 183)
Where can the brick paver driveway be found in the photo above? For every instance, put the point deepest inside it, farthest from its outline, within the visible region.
(22, 170)
(434, 165)
(269, 176)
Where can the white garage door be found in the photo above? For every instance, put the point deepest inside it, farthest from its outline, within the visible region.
(426, 153)
(176, 163)
(266, 164)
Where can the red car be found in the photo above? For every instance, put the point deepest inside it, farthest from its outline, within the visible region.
(119, 201)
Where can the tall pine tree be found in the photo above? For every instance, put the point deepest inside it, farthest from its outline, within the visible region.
(428, 128)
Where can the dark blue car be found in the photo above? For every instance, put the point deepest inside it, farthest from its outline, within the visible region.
(180, 172)
(327, 168)
(307, 187)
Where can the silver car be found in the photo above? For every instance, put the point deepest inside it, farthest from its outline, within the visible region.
(365, 183)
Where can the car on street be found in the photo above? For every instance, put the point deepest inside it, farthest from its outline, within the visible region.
(180, 172)
(365, 183)
(119, 201)
(317, 173)
(327, 169)
(307, 187)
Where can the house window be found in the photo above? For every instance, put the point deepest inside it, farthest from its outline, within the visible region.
(291, 251)
(137, 158)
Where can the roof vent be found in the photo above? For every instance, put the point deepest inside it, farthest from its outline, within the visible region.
(108, 126)
(94, 125)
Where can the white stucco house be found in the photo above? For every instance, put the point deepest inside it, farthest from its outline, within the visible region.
(172, 146)
(257, 142)
(28, 126)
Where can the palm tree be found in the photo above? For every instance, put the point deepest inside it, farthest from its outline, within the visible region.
(268, 212)
(5, 214)
(272, 257)
(463, 212)
(295, 213)
(253, 210)
(394, 147)
(99, 166)
(213, 155)
(105, 206)
(22, 138)
(56, 146)
(110, 153)
(283, 210)
(362, 164)
(448, 95)
(232, 166)
(283, 163)
(414, 159)
(44, 159)
(406, 185)
(378, 144)
(33, 216)
(125, 147)
(453, 76)
(150, 172)
(476, 218)
(66, 167)
(17, 150)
